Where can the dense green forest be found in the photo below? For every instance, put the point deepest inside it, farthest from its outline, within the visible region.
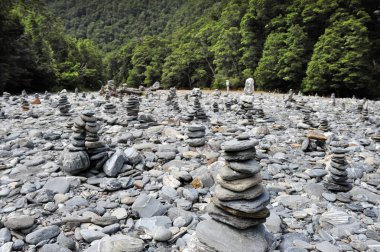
(316, 46)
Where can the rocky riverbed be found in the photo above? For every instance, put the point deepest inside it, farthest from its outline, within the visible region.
(86, 173)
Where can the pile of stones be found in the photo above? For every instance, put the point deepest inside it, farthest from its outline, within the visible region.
(215, 107)
(306, 115)
(239, 200)
(172, 99)
(337, 179)
(364, 116)
(6, 96)
(24, 104)
(195, 111)
(196, 134)
(133, 108)
(109, 108)
(64, 105)
(47, 96)
(228, 104)
(324, 124)
(85, 149)
(2, 112)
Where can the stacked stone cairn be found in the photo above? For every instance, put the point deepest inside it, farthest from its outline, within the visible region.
(228, 104)
(359, 108)
(2, 112)
(47, 96)
(239, 199)
(133, 108)
(85, 141)
(324, 124)
(109, 108)
(195, 111)
(24, 104)
(64, 105)
(6, 96)
(196, 134)
(24, 94)
(337, 179)
(333, 100)
(246, 105)
(306, 111)
(172, 99)
(36, 100)
(107, 96)
(364, 116)
(215, 107)
(76, 92)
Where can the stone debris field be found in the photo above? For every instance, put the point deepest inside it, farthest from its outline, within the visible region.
(189, 171)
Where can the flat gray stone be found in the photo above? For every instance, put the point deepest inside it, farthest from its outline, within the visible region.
(147, 206)
(229, 174)
(240, 185)
(224, 194)
(224, 238)
(250, 167)
(114, 164)
(18, 222)
(58, 185)
(42, 234)
(236, 145)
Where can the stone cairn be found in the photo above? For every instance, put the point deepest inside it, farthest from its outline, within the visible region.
(337, 179)
(172, 99)
(324, 124)
(6, 96)
(24, 94)
(85, 146)
(239, 199)
(215, 107)
(2, 112)
(364, 116)
(246, 106)
(36, 100)
(109, 108)
(306, 111)
(47, 96)
(333, 100)
(228, 104)
(195, 111)
(76, 92)
(24, 104)
(133, 108)
(360, 106)
(64, 105)
(196, 134)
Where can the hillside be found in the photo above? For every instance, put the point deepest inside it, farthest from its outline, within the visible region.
(313, 46)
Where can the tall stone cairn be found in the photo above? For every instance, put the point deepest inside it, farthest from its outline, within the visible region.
(239, 199)
(337, 179)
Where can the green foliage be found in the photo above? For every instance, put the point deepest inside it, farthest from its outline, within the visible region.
(340, 62)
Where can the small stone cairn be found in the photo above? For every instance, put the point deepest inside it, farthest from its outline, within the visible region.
(172, 99)
(239, 199)
(133, 108)
(196, 134)
(109, 108)
(364, 116)
(324, 124)
(85, 149)
(337, 179)
(24, 104)
(6, 96)
(195, 111)
(64, 105)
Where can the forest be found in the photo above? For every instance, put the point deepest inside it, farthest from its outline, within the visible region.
(312, 46)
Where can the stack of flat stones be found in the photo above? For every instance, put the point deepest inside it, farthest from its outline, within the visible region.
(365, 113)
(376, 137)
(109, 108)
(238, 206)
(337, 179)
(24, 104)
(196, 134)
(359, 107)
(2, 112)
(324, 124)
(133, 107)
(96, 149)
(260, 113)
(239, 198)
(215, 107)
(245, 107)
(64, 105)
(306, 115)
(196, 111)
(6, 96)
(172, 99)
(47, 96)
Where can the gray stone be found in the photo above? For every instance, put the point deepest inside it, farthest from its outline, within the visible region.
(289, 238)
(58, 185)
(113, 165)
(75, 162)
(132, 156)
(147, 206)
(90, 235)
(151, 224)
(225, 194)
(326, 247)
(224, 238)
(235, 145)
(229, 174)
(17, 222)
(273, 223)
(250, 167)
(53, 248)
(118, 243)
(161, 234)
(5, 235)
(65, 241)
(42, 234)
(240, 185)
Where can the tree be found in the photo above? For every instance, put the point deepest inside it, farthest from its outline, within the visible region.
(340, 59)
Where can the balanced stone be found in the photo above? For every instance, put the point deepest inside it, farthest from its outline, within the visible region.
(338, 175)
(109, 108)
(196, 135)
(64, 105)
(224, 194)
(133, 108)
(250, 167)
(24, 104)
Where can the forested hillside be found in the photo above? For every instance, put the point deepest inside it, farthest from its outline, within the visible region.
(314, 46)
